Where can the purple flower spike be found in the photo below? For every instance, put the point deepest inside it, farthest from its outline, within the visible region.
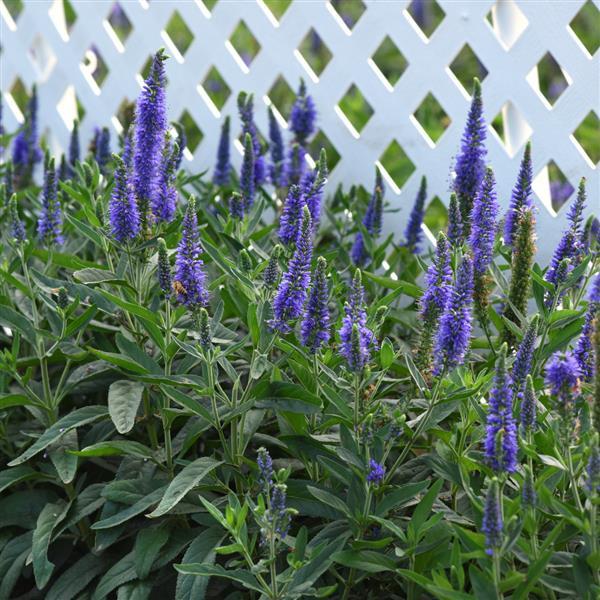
(265, 468)
(453, 338)
(571, 245)
(357, 339)
(292, 291)
(521, 199)
(74, 147)
(438, 282)
(376, 473)
(291, 217)
(164, 203)
(303, 116)
(584, 351)
(315, 325)
(246, 112)
(247, 175)
(492, 525)
(313, 184)
(102, 154)
(276, 148)
(483, 226)
(150, 129)
(528, 406)
(470, 162)
(501, 430)
(413, 233)
(17, 229)
(123, 211)
(222, 173)
(372, 222)
(522, 365)
(26, 150)
(189, 281)
(563, 377)
(455, 226)
(50, 221)
(296, 164)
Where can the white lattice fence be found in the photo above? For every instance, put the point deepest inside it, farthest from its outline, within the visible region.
(39, 47)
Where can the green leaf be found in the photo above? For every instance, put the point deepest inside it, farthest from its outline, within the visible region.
(10, 400)
(16, 475)
(12, 560)
(365, 560)
(148, 544)
(124, 399)
(64, 462)
(320, 560)
(77, 577)
(423, 508)
(134, 352)
(286, 397)
(131, 307)
(131, 511)
(48, 519)
(95, 275)
(13, 320)
(116, 448)
(118, 360)
(77, 418)
(201, 550)
(330, 500)
(552, 461)
(386, 354)
(188, 478)
(400, 496)
(119, 574)
(205, 570)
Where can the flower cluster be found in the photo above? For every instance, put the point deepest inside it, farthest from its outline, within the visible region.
(357, 339)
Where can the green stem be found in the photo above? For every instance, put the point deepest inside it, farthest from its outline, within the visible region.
(572, 480)
(497, 575)
(356, 385)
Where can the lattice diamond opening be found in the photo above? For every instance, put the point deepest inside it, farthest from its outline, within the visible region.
(178, 36)
(587, 136)
(17, 98)
(466, 66)
(585, 27)
(118, 26)
(63, 16)
(282, 97)
(14, 8)
(42, 57)
(277, 7)
(348, 12)
(322, 141)
(548, 79)
(388, 62)
(243, 46)
(436, 216)
(94, 69)
(354, 110)
(510, 128)
(193, 133)
(70, 108)
(214, 90)
(208, 4)
(125, 114)
(507, 22)
(425, 16)
(552, 187)
(431, 119)
(313, 54)
(396, 165)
